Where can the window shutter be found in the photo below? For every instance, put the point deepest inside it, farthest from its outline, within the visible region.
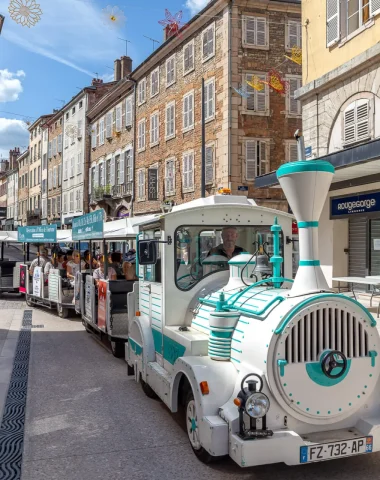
(59, 175)
(128, 112)
(94, 135)
(294, 105)
(294, 35)
(251, 91)
(80, 129)
(332, 20)
(263, 167)
(113, 171)
(250, 36)
(50, 180)
(190, 163)
(292, 152)
(96, 179)
(60, 143)
(122, 164)
(362, 119)
(205, 44)
(118, 118)
(209, 165)
(109, 125)
(210, 34)
(90, 180)
(210, 99)
(185, 112)
(374, 7)
(49, 150)
(185, 170)
(261, 31)
(261, 97)
(250, 159)
(190, 114)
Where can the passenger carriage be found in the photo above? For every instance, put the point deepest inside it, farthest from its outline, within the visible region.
(267, 369)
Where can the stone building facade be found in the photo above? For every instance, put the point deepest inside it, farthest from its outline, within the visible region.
(23, 187)
(112, 146)
(225, 46)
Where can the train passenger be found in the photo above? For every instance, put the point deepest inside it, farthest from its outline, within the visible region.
(115, 263)
(43, 260)
(228, 248)
(99, 272)
(129, 271)
(73, 266)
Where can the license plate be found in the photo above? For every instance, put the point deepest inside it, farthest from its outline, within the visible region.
(327, 451)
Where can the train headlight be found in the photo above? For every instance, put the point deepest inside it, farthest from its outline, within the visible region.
(257, 405)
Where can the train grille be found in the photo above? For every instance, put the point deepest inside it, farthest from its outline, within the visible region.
(326, 329)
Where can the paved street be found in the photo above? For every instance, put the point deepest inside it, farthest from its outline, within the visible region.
(86, 419)
(15, 252)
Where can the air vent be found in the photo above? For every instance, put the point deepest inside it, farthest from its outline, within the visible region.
(326, 329)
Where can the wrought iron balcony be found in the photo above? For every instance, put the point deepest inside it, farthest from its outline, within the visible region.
(101, 193)
(36, 212)
(120, 191)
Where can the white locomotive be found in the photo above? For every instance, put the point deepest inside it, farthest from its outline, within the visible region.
(268, 370)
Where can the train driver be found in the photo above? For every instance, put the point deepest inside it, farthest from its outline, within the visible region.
(228, 248)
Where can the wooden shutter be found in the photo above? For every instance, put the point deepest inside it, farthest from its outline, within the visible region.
(261, 98)
(128, 112)
(250, 102)
(292, 152)
(59, 175)
(250, 159)
(118, 118)
(95, 133)
(205, 44)
(349, 124)
(250, 30)
(186, 112)
(186, 57)
(121, 168)
(294, 105)
(190, 112)
(191, 56)
(49, 150)
(362, 119)
(332, 20)
(374, 7)
(90, 180)
(60, 143)
(209, 165)
(261, 31)
(113, 171)
(294, 34)
(185, 168)
(80, 129)
(109, 125)
(96, 179)
(263, 158)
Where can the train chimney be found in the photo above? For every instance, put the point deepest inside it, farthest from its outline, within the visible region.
(306, 185)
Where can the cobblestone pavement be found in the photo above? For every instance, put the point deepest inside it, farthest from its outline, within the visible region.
(12, 301)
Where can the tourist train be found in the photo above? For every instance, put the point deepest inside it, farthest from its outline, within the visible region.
(265, 368)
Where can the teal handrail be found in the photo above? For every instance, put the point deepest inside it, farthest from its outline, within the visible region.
(260, 282)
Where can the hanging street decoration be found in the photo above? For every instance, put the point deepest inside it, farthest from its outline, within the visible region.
(113, 16)
(90, 129)
(25, 12)
(242, 91)
(172, 22)
(256, 83)
(276, 82)
(71, 130)
(2, 18)
(296, 55)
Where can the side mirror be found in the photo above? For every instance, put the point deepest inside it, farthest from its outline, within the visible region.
(147, 252)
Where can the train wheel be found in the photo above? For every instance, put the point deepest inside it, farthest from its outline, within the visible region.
(62, 312)
(149, 392)
(192, 422)
(118, 349)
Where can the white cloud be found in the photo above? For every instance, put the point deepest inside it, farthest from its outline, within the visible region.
(13, 133)
(196, 5)
(71, 32)
(10, 85)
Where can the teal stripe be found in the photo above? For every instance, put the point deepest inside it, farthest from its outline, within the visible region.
(200, 316)
(221, 334)
(240, 331)
(145, 311)
(155, 311)
(307, 166)
(157, 319)
(157, 305)
(234, 349)
(156, 298)
(243, 321)
(235, 359)
(200, 325)
(236, 340)
(307, 224)
(146, 301)
(309, 263)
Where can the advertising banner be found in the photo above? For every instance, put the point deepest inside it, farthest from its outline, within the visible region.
(78, 278)
(37, 234)
(102, 304)
(87, 296)
(23, 274)
(37, 281)
(89, 226)
(152, 183)
(360, 203)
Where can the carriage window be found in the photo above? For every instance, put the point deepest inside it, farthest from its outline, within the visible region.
(202, 250)
(152, 273)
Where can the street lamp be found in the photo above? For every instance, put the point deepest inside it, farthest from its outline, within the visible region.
(2, 18)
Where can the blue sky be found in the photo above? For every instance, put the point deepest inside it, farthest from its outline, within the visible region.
(42, 65)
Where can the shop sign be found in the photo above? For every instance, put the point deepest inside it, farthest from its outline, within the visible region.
(361, 203)
(294, 228)
(152, 184)
(37, 281)
(38, 234)
(23, 274)
(102, 304)
(308, 152)
(89, 226)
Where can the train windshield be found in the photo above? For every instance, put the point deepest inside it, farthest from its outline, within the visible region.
(202, 250)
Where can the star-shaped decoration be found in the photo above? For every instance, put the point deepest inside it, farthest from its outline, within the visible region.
(172, 22)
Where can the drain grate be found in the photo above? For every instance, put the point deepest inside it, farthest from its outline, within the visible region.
(12, 425)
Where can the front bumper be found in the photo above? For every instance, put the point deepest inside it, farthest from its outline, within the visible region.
(285, 445)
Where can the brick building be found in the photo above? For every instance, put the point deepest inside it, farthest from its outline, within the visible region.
(225, 45)
(23, 188)
(112, 139)
(3, 192)
(76, 150)
(12, 190)
(52, 185)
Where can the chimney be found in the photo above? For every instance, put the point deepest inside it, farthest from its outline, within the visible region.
(170, 31)
(13, 155)
(96, 81)
(126, 66)
(306, 185)
(117, 70)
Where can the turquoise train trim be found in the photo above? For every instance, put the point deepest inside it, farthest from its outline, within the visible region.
(307, 166)
(314, 370)
(136, 347)
(308, 224)
(157, 339)
(309, 263)
(313, 299)
(169, 348)
(373, 355)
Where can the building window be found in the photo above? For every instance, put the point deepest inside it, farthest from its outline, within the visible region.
(108, 173)
(120, 169)
(188, 58)
(128, 168)
(209, 99)
(209, 165)
(154, 129)
(170, 71)
(170, 177)
(60, 143)
(73, 111)
(141, 135)
(293, 34)
(118, 122)
(55, 177)
(54, 147)
(141, 91)
(293, 106)
(58, 205)
(53, 206)
(65, 203)
(93, 136)
(141, 184)
(66, 141)
(188, 171)
(291, 152)
(258, 101)
(72, 167)
(39, 175)
(356, 125)
(170, 121)
(81, 104)
(109, 125)
(255, 32)
(67, 115)
(208, 43)
(80, 128)
(49, 207)
(71, 201)
(78, 198)
(101, 173)
(65, 170)
(34, 177)
(49, 150)
(101, 132)
(79, 163)
(154, 82)
(128, 111)
(256, 158)
(59, 175)
(188, 112)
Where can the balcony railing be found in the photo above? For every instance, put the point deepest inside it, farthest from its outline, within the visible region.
(102, 192)
(36, 212)
(120, 191)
